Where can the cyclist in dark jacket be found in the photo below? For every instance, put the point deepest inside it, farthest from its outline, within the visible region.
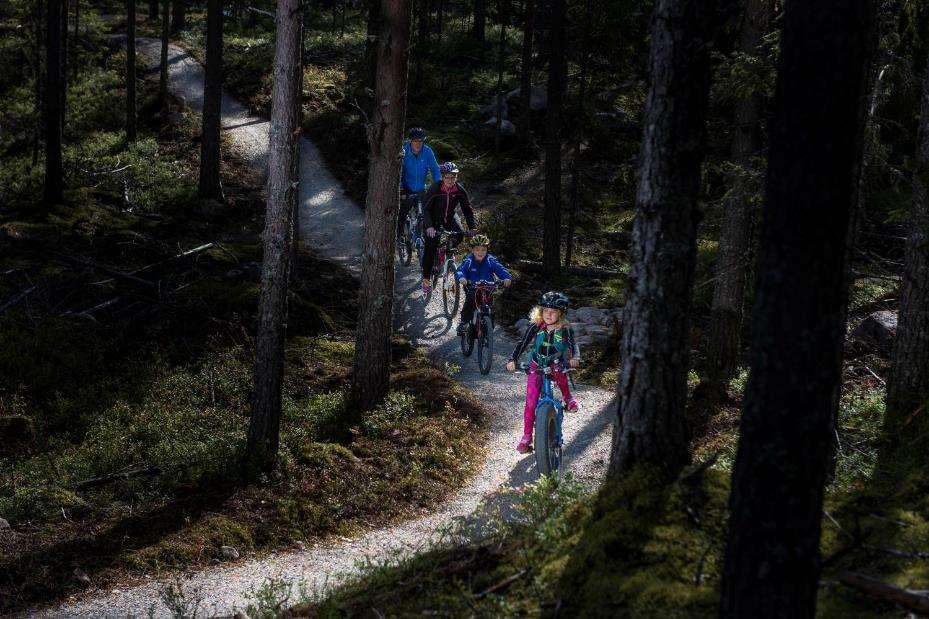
(439, 207)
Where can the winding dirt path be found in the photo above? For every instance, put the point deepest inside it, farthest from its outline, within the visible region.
(333, 225)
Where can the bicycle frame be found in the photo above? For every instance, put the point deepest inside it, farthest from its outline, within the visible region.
(483, 303)
(548, 397)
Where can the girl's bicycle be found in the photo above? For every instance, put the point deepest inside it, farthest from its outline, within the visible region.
(444, 265)
(549, 415)
(481, 328)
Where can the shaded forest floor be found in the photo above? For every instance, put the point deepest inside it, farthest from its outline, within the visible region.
(127, 324)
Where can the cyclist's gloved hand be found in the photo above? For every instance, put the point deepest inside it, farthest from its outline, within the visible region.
(464, 281)
(573, 362)
(430, 232)
(511, 366)
(507, 282)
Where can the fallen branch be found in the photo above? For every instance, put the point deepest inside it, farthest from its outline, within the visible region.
(17, 299)
(896, 552)
(104, 269)
(533, 266)
(106, 479)
(506, 582)
(878, 590)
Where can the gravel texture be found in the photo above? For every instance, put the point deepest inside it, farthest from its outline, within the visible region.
(332, 224)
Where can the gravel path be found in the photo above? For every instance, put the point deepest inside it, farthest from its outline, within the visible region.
(332, 224)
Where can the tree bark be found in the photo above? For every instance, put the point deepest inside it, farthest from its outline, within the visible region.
(37, 82)
(54, 174)
(908, 383)
(478, 28)
(557, 77)
(163, 72)
(77, 19)
(525, 78)
(153, 9)
(283, 188)
(372, 43)
(130, 74)
(732, 267)
(210, 183)
(655, 343)
(178, 15)
(575, 187)
(372, 339)
(501, 96)
(65, 18)
(772, 559)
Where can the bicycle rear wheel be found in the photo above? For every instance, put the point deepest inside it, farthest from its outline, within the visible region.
(467, 342)
(485, 346)
(547, 446)
(451, 291)
(405, 244)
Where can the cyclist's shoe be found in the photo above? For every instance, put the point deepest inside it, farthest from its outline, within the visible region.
(572, 405)
(525, 445)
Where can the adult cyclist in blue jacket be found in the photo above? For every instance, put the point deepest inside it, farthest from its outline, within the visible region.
(418, 160)
(478, 266)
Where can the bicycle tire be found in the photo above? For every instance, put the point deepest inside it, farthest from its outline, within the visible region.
(547, 454)
(485, 346)
(405, 245)
(467, 343)
(449, 284)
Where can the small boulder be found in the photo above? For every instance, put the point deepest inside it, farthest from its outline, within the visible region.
(590, 314)
(491, 110)
(878, 329)
(538, 97)
(599, 334)
(507, 128)
(81, 577)
(228, 553)
(4, 524)
(521, 325)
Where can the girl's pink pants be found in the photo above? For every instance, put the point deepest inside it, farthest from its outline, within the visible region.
(534, 391)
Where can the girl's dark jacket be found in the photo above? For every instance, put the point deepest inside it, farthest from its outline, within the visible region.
(439, 206)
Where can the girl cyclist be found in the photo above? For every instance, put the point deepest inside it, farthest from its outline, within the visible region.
(550, 340)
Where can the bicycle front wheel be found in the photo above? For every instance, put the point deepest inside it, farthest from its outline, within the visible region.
(451, 291)
(485, 346)
(547, 445)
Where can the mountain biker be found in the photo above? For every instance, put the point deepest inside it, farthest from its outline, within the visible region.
(551, 342)
(418, 160)
(439, 207)
(478, 266)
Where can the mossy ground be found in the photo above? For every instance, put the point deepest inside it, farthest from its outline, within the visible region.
(111, 376)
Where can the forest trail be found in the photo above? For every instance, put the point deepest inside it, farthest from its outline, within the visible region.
(332, 225)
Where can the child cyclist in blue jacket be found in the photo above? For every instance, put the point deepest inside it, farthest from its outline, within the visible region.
(476, 267)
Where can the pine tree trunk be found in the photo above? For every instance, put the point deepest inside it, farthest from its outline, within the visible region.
(210, 183)
(77, 20)
(501, 96)
(908, 384)
(283, 155)
(525, 78)
(153, 9)
(178, 15)
(655, 344)
(371, 42)
(37, 83)
(725, 344)
(772, 560)
(557, 78)
(54, 175)
(130, 74)
(163, 72)
(64, 61)
(478, 28)
(372, 339)
(575, 188)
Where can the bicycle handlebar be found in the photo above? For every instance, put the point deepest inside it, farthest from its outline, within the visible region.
(527, 368)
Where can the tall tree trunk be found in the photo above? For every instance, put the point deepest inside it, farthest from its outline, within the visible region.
(908, 384)
(37, 82)
(557, 78)
(163, 72)
(65, 15)
(525, 77)
(210, 183)
(575, 190)
(153, 9)
(372, 339)
(478, 28)
(501, 95)
(77, 20)
(725, 343)
(371, 43)
(178, 15)
(130, 74)
(772, 560)
(655, 344)
(54, 174)
(283, 157)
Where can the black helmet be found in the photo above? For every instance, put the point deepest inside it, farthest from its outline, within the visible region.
(417, 133)
(555, 300)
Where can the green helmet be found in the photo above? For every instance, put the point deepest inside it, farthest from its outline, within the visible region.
(480, 239)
